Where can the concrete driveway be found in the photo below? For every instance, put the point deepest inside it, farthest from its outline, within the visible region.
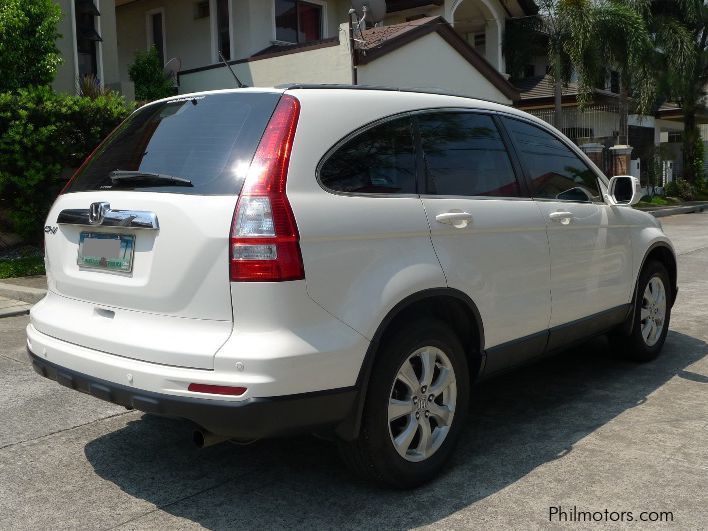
(582, 430)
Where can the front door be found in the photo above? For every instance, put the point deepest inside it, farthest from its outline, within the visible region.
(490, 239)
(591, 252)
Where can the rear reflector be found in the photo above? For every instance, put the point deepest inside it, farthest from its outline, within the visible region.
(216, 389)
(264, 243)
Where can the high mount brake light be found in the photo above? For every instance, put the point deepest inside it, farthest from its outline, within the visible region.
(264, 243)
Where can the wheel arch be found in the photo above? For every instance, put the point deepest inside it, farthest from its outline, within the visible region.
(448, 304)
(663, 253)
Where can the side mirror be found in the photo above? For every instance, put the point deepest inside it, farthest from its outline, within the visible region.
(624, 190)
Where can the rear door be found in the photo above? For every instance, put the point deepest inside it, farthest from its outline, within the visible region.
(591, 252)
(138, 263)
(489, 236)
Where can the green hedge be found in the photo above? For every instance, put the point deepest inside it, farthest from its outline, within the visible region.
(41, 134)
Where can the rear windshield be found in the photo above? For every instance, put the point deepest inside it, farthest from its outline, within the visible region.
(205, 139)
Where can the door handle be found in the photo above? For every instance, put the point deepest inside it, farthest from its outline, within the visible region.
(459, 220)
(564, 217)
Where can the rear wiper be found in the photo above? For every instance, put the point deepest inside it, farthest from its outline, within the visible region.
(147, 178)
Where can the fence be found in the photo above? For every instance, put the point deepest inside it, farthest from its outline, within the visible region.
(596, 122)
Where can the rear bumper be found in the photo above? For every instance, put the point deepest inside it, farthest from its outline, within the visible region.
(252, 418)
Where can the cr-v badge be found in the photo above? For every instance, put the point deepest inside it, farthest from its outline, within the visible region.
(48, 229)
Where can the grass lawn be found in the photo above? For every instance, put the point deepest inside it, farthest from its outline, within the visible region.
(21, 267)
(658, 200)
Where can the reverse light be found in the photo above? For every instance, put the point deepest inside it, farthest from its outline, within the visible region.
(264, 244)
(216, 389)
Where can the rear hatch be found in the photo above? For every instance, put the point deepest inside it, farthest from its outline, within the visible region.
(138, 265)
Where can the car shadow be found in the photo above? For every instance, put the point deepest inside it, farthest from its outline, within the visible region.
(518, 422)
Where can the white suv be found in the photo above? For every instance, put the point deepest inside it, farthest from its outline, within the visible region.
(328, 259)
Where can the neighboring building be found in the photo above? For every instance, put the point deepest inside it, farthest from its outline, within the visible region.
(446, 45)
(88, 45)
(269, 42)
(598, 125)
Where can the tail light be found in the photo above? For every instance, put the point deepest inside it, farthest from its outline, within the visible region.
(264, 244)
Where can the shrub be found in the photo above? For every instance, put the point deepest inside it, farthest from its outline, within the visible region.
(42, 133)
(149, 77)
(21, 267)
(90, 87)
(680, 188)
(28, 51)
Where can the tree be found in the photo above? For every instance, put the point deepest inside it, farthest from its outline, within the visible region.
(611, 34)
(545, 33)
(680, 32)
(585, 37)
(28, 51)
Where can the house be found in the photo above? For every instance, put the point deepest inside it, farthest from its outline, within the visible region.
(88, 45)
(446, 45)
(597, 127)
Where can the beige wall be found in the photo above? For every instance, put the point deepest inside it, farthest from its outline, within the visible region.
(65, 80)
(427, 63)
(430, 63)
(108, 48)
(323, 65)
(254, 23)
(191, 40)
(185, 37)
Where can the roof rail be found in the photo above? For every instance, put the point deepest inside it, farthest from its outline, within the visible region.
(300, 86)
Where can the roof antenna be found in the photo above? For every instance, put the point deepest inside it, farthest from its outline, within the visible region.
(238, 81)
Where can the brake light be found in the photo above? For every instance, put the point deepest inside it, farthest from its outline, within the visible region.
(264, 243)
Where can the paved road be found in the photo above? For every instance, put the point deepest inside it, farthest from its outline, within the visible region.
(582, 430)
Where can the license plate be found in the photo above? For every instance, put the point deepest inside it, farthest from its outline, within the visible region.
(109, 252)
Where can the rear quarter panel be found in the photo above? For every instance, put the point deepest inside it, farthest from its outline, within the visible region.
(362, 254)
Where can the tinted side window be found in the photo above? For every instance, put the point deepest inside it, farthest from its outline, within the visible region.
(555, 171)
(378, 160)
(464, 155)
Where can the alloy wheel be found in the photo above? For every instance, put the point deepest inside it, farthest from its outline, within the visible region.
(422, 404)
(653, 311)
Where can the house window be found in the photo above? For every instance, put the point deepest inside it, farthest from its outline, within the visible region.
(480, 42)
(223, 34)
(201, 9)
(87, 38)
(156, 33)
(614, 82)
(297, 21)
(675, 136)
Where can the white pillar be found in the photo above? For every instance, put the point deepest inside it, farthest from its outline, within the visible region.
(493, 44)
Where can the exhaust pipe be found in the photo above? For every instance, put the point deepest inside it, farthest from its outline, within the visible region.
(203, 438)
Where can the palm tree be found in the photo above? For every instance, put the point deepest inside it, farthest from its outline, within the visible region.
(680, 31)
(613, 34)
(528, 37)
(587, 37)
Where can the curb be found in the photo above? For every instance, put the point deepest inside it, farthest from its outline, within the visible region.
(672, 211)
(22, 293)
(13, 312)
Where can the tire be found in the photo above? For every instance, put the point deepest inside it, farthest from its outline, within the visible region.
(644, 343)
(373, 455)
